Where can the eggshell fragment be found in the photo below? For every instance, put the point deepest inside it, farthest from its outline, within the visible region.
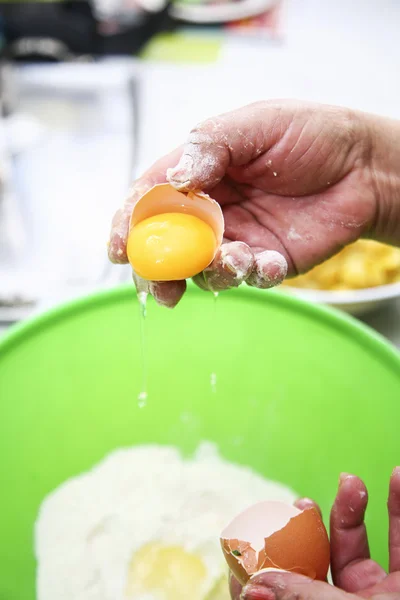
(276, 535)
(163, 198)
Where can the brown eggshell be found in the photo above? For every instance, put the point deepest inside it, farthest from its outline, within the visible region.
(163, 198)
(240, 567)
(301, 546)
(276, 535)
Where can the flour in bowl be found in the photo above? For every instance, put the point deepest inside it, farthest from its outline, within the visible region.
(144, 524)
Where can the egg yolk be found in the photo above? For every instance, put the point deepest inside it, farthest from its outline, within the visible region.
(166, 573)
(170, 247)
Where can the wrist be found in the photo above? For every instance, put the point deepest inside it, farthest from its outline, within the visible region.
(385, 173)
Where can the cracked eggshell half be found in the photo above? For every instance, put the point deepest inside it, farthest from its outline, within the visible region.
(163, 198)
(278, 536)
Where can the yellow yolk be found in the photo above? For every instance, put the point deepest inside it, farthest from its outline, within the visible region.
(171, 246)
(166, 573)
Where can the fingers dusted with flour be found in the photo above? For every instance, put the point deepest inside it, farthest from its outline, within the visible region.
(236, 263)
(270, 269)
(262, 145)
(232, 265)
(228, 141)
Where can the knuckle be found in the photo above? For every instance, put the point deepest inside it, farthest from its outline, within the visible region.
(353, 133)
(209, 135)
(208, 127)
(351, 125)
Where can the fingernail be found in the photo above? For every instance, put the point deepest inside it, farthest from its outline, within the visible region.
(257, 592)
(159, 295)
(304, 503)
(181, 174)
(277, 264)
(167, 293)
(270, 270)
(396, 471)
(305, 500)
(344, 477)
(238, 259)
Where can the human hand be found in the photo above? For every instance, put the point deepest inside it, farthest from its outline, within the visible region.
(354, 574)
(296, 183)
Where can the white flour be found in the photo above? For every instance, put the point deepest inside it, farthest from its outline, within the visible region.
(90, 527)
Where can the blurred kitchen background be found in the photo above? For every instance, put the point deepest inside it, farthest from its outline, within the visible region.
(93, 91)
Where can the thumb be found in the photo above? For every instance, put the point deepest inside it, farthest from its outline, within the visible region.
(230, 140)
(289, 586)
(235, 588)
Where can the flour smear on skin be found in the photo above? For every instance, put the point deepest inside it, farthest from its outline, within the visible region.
(91, 526)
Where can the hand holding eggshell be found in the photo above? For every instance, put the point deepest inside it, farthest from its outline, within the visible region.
(354, 574)
(294, 184)
(278, 536)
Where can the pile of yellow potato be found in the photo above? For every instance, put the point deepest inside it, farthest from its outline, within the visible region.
(364, 264)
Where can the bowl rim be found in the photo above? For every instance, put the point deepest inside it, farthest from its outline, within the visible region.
(338, 297)
(364, 335)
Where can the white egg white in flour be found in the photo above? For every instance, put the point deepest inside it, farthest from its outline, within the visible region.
(90, 527)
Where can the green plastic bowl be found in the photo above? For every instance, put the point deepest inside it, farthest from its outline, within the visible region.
(302, 394)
